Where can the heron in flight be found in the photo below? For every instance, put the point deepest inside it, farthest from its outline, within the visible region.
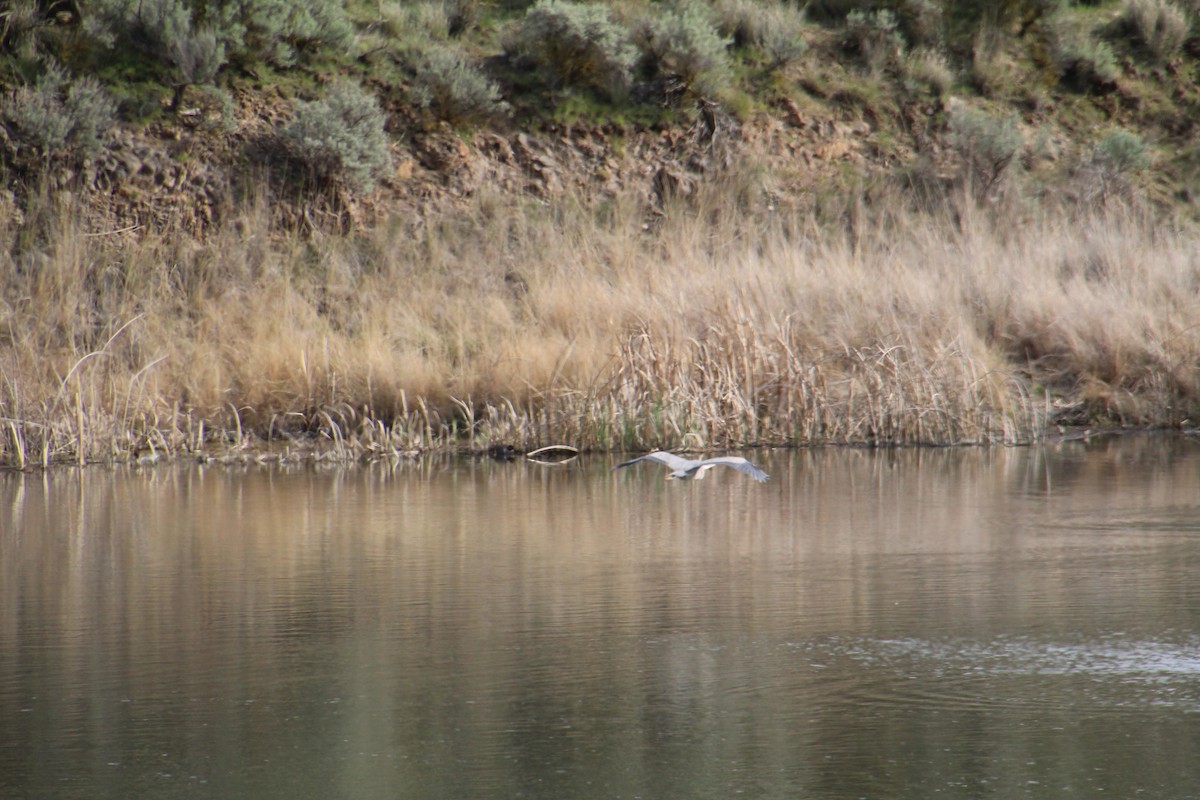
(686, 469)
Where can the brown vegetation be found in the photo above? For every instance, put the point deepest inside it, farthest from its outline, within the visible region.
(719, 323)
(724, 224)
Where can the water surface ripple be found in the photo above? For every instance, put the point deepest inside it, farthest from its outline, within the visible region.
(890, 624)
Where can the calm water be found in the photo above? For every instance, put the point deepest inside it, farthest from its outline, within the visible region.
(918, 624)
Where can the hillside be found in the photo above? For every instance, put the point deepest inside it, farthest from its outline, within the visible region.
(474, 94)
(465, 148)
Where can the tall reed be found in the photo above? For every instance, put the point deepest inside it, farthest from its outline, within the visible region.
(724, 323)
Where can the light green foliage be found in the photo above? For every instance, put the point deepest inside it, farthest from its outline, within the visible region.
(875, 36)
(461, 16)
(1161, 26)
(1104, 174)
(1120, 152)
(931, 68)
(58, 117)
(1082, 59)
(342, 136)
(777, 29)
(987, 144)
(279, 31)
(578, 44)
(415, 23)
(454, 90)
(196, 36)
(685, 42)
(921, 22)
(783, 45)
(198, 55)
(20, 24)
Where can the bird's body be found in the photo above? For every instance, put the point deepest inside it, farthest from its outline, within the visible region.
(686, 469)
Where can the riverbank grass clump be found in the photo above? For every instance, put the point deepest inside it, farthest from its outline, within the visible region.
(531, 324)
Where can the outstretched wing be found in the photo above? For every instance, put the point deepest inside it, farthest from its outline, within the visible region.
(740, 464)
(661, 457)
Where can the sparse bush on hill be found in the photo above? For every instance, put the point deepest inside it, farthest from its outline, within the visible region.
(929, 67)
(342, 136)
(578, 44)
(1160, 26)
(454, 90)
(684, 42)
(875, 37)
(195, 51)
(461, 16)
(275, 31)
(281, 31)
(775, 29)
(1115, 157)
(988, 144)
(921, 22)
(1083, 61)
(60, 117)
(20, 24)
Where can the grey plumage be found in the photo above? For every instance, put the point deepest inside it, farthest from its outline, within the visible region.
(686, 469)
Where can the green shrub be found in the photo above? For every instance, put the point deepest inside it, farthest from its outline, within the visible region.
(1158, 24)
(777, 29)
(1114, 158)
(987, 145)
(931, 68)
(684, 42)
(60, 117)
(782, 45)
(461, 16)
(192, 35)
(1082, 60)
(281, 31)
(921, 22)
(416, 23)
(342, 137)
(1121, 152)
(454, 90)
(875, 37)
(20, 26)
(578, 44)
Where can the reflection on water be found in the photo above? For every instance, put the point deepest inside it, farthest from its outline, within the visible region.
(894, 624)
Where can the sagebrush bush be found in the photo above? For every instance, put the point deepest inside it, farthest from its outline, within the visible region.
(57, 116)
(931, 68)
(342, 136)
(195, 50)
(1161, 26)
(461, 16)
(775, 29)
(281, 31)
(875, 36)
(454, 90)
(1121, 151)
(1105, 173)
(782, 45)
(414, 23)
(921, 22)
(20, 24)
(1082, 59)
(684, 42)
(275, 31)
(577, 44)
(987, 144)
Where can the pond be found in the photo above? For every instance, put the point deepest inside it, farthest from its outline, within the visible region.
(953, 623)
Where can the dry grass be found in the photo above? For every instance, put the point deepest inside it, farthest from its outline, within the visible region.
(530, 324)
